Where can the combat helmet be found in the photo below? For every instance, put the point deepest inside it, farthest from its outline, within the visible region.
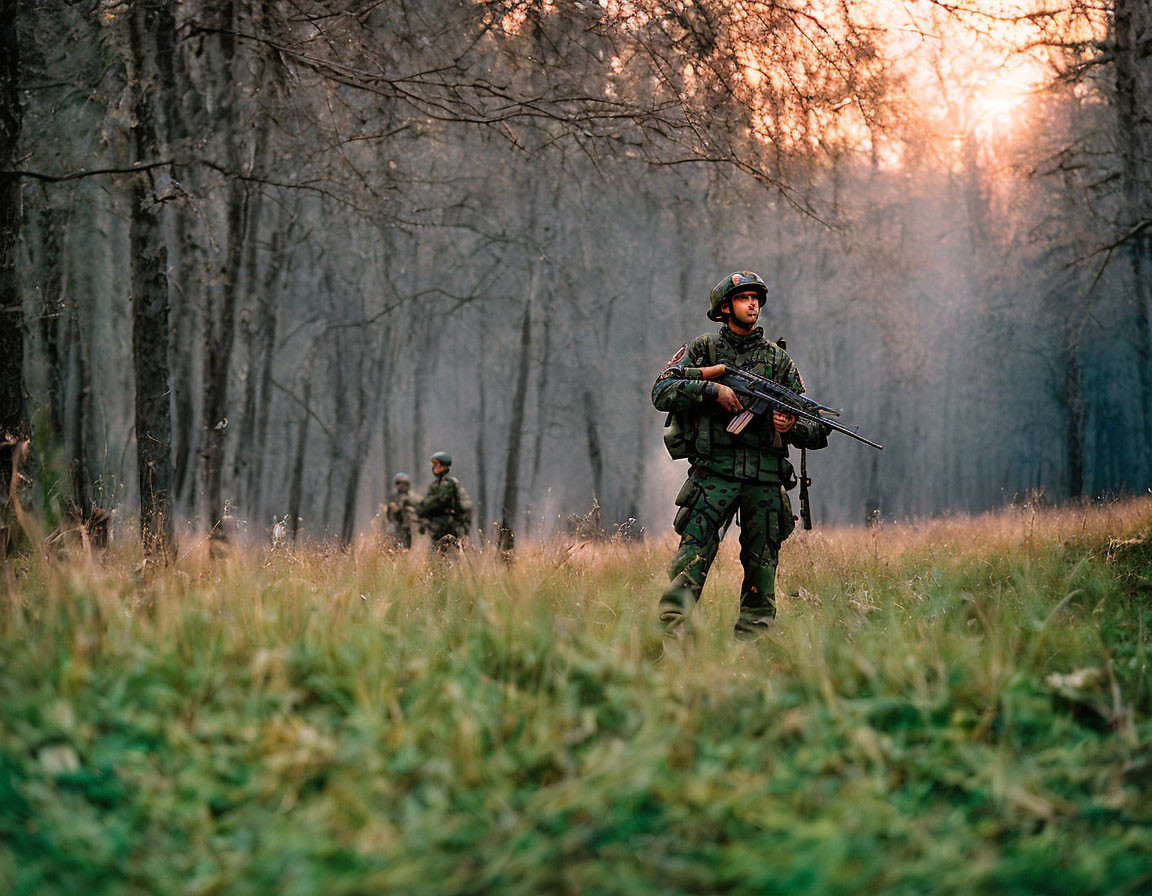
(401, 477)
(443, 457)
(732, 284)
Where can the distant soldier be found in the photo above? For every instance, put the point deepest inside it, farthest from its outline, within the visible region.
(446, 511)
(401, 511)
(746, 471)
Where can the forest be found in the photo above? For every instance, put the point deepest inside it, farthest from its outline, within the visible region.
(257, 257)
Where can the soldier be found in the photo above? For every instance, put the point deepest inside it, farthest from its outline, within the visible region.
(747, 472)
(446, 511)
(401, 511)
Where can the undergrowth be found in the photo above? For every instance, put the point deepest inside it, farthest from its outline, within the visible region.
(959, 706)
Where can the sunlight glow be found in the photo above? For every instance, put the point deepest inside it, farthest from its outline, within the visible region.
(968, 69)
(997, 106)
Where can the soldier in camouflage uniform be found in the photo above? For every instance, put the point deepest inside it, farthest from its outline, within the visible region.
(400, 512)
(745, 473)
(446, 511)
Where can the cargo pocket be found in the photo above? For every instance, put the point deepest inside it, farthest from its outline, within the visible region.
(679, 435)
(787, 521)
(686, 500)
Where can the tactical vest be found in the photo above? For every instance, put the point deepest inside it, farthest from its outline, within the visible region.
(757, 453)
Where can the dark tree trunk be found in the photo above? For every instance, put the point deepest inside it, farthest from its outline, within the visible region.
(53, 319)
(509, 506)
(340, 417)
(356, 446)
(423, 372)
(481, 454)
(13, 411)
(183, 388)
(77, 436)
(1135, 138)
(595, 453)
(151, 28)
(542, 404)
(65, 345)
(260, 372)
(296, 482)
(228, 80)
(250, 324)
(220, 331)
(351, 492)
(1075, 411)
(260, 447)
(385, 389)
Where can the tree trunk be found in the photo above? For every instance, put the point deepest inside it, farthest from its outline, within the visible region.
(386, 389)
(296, 482)
(423, 372)
(481, 454)
(223, 297)
(13, 412)
(53, 319)
(509, 506)
(77, 437)
(340, 417)
(220, 332)
(184, 436)
(1135, 139)
(595, 453)
(542, 405)
(266, 323)
(250, 326)
(151, 31)
(356, 444)
(351, 493)
(1075, 411)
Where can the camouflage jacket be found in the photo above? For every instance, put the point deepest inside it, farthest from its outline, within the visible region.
(446, 507)
(757, 453)
(402, 518)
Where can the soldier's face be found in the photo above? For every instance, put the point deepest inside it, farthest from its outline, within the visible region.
(438, 468)
(745, 307)
(402, 486)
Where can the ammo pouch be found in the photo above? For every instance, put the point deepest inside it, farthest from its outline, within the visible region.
(679, 434)
(686, 501)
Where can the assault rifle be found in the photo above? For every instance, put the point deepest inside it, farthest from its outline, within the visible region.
(760, 395)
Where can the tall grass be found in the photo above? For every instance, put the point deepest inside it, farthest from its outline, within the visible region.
(951, 707)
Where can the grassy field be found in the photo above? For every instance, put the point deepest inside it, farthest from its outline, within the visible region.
(947, 707)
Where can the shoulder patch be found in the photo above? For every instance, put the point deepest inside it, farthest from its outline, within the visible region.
(679, 356)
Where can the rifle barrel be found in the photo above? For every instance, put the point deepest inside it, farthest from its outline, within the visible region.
(791, 402)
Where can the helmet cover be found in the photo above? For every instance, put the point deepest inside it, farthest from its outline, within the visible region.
(737, 281)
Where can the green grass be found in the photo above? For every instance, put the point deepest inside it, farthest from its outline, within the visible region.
(950, 707)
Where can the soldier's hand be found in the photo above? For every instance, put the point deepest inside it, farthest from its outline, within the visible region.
(728, 398)
(392, 506)
(783, 422)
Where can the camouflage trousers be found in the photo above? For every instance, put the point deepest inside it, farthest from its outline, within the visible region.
(708, 503)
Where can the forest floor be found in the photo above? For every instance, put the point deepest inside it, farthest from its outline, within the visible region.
(956, 706)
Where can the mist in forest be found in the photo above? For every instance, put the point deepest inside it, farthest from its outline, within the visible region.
(483, 228)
